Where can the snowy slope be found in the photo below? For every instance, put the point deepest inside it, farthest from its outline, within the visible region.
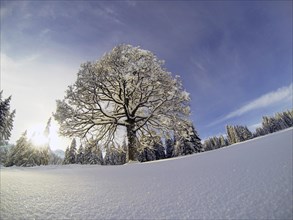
(251, 180)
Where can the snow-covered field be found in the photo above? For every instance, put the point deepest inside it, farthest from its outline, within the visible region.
(250, 180)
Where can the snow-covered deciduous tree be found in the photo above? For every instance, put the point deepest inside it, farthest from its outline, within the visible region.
(6, 118)
(127, 87)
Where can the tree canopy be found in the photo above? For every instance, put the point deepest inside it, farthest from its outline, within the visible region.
(129, 88)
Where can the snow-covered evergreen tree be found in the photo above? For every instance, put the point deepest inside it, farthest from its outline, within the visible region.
(93, 153)
(43, 155)
(275, 123)
(66, 156)
(159, 150)
(243, 133)
(71, 154)
(151, 148)
(96, 155)
(3, 153)
(232, 135)
(6, 118)
(188, 144)
(115, 156)
(87, 153)
(146, 153)
(212, 143)
(121, 155)
(287, 118)
(238, 133)
(196, 141)
(170, 151)
(223, 141)
(80, 155)
(22, 154)
(108, 159)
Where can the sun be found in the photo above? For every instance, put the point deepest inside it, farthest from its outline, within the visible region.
(39, 139)
(36, 134)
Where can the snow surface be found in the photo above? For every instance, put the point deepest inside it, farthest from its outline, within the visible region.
(250, 180)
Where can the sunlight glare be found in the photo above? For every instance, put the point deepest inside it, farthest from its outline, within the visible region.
(36, 135)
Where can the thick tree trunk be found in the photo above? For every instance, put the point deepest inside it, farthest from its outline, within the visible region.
(132, 143)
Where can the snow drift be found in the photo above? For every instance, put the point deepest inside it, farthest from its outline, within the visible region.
(250, 180)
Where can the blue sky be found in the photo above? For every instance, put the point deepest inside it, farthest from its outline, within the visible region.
(234, 57)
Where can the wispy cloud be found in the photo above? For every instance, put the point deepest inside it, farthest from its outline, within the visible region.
(268, 99)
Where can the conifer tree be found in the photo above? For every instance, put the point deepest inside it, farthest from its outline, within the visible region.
(22, 154)
(287, 117)
(146, 153)
(115, 156)
(72, 152)
(244, 132)
(108, 159)
(66, 156)
(96, 155)
(6, 118)
(170, 151)
(121, 155)
(47, 128)
(223, 141)
(44, 155)
(93, 153)
(87, 153)
(159, 150)
(80, 155)
(196, 140)
(4, 150)
(190, 144)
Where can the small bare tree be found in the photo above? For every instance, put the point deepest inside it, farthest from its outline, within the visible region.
(127, 87)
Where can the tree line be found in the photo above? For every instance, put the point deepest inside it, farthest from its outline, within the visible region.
(150, 148)
(26, 153)
(239, 133)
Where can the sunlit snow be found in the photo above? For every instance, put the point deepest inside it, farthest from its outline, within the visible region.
(250, 180)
